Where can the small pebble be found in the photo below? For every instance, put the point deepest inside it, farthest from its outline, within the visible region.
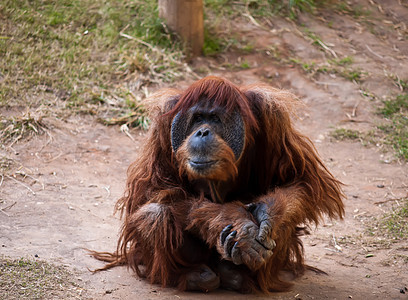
(380, 186)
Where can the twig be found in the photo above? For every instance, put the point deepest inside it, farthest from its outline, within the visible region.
(326, 48)
(327, 83)
(2, 179)
(399, 83)
(354, 121)
(376, 54)
(125, 129)
(15, 140)
(54, 158)
(24, 185)
(337, 247)
(353, 113)
(250, 17)
(14, 150)
(388, 200)
(10, 206)
(107, 188)
(7, 207)
(50, 138)
(22, 173)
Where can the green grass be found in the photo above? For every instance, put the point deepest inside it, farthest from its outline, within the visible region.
(228, 9)
(68, 53)
(98, 57)
(32, 279)
(396, 129)
(383, 231)
(403, 85)
(356, 11)
(345, 61)
(340, 67)
(352, 74)
(393, 132)
(346, 134)
(396, 222)
(393, 225)
(245, 65)
(213, 44)
(399, 105)
(85, 55)
(316, 40)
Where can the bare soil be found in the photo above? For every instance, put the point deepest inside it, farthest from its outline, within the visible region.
(60, 196)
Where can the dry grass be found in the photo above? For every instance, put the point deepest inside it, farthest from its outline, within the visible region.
(395, 111)
(391, 132)
(71, 56)
(18, 127)
(32, 279)
(393, 225)
(385, 231)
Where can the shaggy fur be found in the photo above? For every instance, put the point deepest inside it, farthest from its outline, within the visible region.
(169, 228)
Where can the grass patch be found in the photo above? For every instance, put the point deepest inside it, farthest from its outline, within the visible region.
(259, 9)
(221, 13)
(403, 85)
(340, 67)
(317, 41)
(245, 65)
(345, 61)
(388, 231)
(16, 128)
(396, 130)
(346, 134)
(28, 279)
(5, 165)
(62, 56)
(213, 44)
(393, 225)
(393, 132)
(351, 74)
(238, 65)
(396, 106)
(87, 56)
(356, 11)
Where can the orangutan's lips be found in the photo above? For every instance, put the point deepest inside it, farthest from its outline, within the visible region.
(201, 165)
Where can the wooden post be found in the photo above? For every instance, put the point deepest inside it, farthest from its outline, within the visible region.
(185, 17)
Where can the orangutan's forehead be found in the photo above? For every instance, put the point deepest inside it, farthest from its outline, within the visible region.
(208, 105)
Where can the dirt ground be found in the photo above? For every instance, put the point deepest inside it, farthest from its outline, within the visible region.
(66, 182)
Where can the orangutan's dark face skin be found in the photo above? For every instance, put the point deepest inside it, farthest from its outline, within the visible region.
(203, 137)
